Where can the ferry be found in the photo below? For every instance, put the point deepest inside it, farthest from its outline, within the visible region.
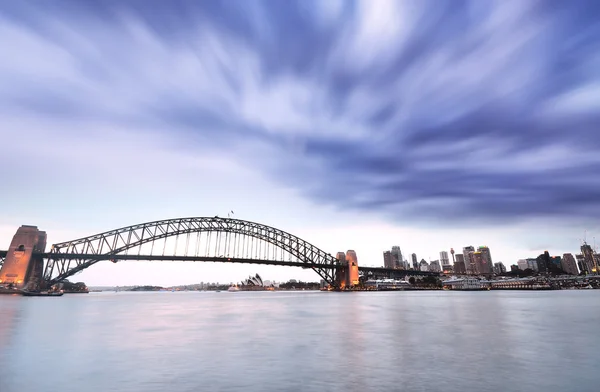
(233, 288)
(42, 293)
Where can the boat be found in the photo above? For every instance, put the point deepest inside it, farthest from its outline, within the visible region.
(233, 288)
(42, 293)
(9, 291)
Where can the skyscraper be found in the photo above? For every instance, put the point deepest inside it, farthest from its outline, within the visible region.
(542, 262)
(499, 268)
(569, 265)
(435, 266)
(468, 255)
(387, 259)
(532, 264)
(459, 264)
(396, 256)
(588, 256)
(415, 263)
(523, 265)
(444, 259)
(486, 256)
(477, 263)
(581, 263)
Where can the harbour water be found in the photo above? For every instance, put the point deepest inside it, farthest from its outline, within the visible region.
(302, 341)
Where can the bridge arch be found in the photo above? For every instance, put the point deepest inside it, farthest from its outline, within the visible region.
(110, 244)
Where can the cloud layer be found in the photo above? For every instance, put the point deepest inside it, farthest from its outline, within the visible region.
(415, 109)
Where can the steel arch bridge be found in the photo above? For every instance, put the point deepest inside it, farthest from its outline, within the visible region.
(193, 239)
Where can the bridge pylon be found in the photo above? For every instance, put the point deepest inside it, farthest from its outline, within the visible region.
(23, 267)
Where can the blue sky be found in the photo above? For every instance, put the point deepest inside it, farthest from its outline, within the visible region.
(353, 124)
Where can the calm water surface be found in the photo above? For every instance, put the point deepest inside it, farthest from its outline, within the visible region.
(302, 341)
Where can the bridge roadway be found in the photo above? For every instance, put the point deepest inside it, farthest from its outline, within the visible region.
(133, 257)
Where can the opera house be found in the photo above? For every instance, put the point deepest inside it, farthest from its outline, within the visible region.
(254, 283)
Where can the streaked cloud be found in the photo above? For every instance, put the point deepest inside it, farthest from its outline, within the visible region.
(418, 110)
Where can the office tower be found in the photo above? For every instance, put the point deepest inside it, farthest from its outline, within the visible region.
(435, 266)
(459, 264)
(532, 264)
(415, 263)
(486, 256)
(396, 256)
(388, 262)
(523, 264)
(569, 265)
(589, 259)
(423, 265)
(444, 259)
(499, 268)
(542, 262)
(467, 254)
(477, 263)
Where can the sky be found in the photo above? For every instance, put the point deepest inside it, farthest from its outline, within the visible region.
(351, 124)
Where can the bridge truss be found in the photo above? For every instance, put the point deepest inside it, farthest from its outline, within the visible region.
(194, 239)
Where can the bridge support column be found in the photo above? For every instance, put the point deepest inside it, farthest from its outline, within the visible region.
(347, 274)
(22, 268)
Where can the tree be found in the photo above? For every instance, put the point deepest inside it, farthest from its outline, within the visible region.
(411, 280)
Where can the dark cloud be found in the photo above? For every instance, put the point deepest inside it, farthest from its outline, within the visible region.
(467, 110)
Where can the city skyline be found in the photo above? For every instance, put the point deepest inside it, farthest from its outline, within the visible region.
(431, 126)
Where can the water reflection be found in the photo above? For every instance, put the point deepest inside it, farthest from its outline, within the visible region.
(430, 341)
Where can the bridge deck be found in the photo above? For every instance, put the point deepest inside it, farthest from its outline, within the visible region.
(76, 256)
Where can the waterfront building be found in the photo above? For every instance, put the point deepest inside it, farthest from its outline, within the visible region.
(387, 259)
(415, 264)
(468, 255)
(486, 257)
(568, 264)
